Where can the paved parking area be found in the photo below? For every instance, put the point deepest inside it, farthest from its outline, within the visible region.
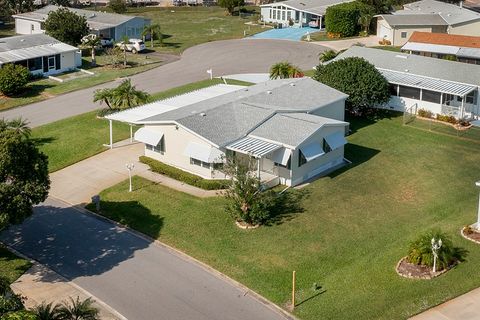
(295, 34)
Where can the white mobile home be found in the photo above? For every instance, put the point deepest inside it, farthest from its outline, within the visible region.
(41, 54)
(103, 24)
(418, 82)
(294, 129)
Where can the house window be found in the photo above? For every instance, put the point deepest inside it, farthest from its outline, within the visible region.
(32, 27)
(270, 13)
(160, 147)
(471, 98)
(283, 15)
(393, 89)
(35, 64)
(199, 163)
(51, 62)
(326, 146)
(403, 35)
(409, 92)
(289, 15)
(431, 96)
(218, 166)
(274, 14)
(301, 158)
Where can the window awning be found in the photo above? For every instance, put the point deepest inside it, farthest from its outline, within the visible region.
(421, 82)
(203, 153)
(253, 146)
(148, 136)
(312, 151)
(336, 140)
(281, 156)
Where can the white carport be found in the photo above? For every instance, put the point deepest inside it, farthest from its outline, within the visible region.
(134, 116)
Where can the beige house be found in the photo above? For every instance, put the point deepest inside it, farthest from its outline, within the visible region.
(294, 129)
(427, 16)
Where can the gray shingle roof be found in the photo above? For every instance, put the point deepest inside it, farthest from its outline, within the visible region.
(95, 19)
(418, 65)
(292, 128)
(414, 20)
(229, 117)
(315, 6)
(451, 13)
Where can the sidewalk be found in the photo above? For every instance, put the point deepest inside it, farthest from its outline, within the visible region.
(41, 284)
(464, 307)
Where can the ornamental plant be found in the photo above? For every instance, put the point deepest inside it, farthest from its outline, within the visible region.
(13, 79)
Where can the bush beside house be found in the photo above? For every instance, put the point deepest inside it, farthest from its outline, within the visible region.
(341, 20)
(13, 79)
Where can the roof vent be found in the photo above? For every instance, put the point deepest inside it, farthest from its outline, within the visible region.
(22, 40)
(406, 70)
(246, 89)
(269, 92)
(292, 84)
(203, 114)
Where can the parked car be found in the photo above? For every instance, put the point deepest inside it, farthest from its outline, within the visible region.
(133, 45)
(104, 42)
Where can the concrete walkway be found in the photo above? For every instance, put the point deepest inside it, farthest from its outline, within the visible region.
(464, 307)
(338, 45)
(77, 183)
(40, 284)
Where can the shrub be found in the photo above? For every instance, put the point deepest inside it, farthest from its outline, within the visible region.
(19, 315)
(188, 178)
(13, 79)
(445, 118)
(425, 113)
(385, 42)
(327, 55)
(420, 251)
(343, 18)
(118, 6)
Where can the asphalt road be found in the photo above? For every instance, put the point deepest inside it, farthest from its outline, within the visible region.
(224, 57)
(139, 279)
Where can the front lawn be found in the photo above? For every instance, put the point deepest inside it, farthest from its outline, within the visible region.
(12, 266)
(356, 225)
(76, 138)
(322, 36)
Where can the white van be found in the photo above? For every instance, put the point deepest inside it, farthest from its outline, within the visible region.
(133, 45)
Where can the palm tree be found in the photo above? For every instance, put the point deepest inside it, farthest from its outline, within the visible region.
(327, 55)
(17, 125)
(153, 30)
(364, 21)
(78, 310)
(104, 95)
(283, 70)
(127, 96)
(47, 311)
(92, 41)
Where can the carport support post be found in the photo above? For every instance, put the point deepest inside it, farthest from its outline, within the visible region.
(131, 134)
(111, 134)
(258, 167)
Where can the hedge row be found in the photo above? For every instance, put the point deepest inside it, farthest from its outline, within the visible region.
(342, 19)
(180, 175)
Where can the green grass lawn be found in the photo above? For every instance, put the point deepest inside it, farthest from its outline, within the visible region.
(389, 48)
(356, 225)
(76, 138)
(12, 266)
(322, 36)
(46, 88)
(7, 30)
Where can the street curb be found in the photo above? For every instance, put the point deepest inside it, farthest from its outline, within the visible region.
(70, 282)
(187, 258)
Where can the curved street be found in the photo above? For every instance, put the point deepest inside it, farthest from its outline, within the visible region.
(223, 57)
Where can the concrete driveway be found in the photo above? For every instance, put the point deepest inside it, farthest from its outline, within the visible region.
(338, 45)
(139, 279)
(224, 57)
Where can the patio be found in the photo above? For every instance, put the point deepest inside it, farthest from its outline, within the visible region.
(295, 34)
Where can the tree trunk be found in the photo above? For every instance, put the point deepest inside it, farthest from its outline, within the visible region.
(151, 39)
(94, 62)
(125, 56)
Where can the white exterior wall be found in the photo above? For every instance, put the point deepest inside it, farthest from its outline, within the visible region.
(335, 110)
(69, 60)
(23, 26)
(384, 30)
(132, 29)
(469, 29)
(279, 17)
(176, 141)
(320, 164)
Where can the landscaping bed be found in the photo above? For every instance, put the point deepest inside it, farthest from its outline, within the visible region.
(414, 271)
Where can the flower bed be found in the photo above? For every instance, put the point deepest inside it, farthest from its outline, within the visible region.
(414, 271)
(470, 233)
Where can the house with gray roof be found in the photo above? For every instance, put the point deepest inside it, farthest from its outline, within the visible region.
(294, 128)
(419, 82)
(103, 24)
(40, 54)
(427, 16)
(300, 12)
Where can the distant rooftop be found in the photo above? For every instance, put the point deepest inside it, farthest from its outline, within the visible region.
(414, 19)
(451, 13)
(445, 39)
(314, 6)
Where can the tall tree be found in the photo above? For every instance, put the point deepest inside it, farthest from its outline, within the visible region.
(19, 6)
(358, 78)
(66, 26)
(283, 70)
(24, 178)
(154, 31)
(118, 6)
(91, 41)
(230, 5)
(365, 20)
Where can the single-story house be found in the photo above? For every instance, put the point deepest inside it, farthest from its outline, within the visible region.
(418, 82)
(443, 46)
(427, 16)
(41, 54)
(300, 12)
(103, 24)
(294, 128)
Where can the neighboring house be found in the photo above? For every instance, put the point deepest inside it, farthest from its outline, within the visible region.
(427, 16)
(294, 128)
(300, 12)
(41, 54)
(105, 25)
(417, 82)
(444, 46)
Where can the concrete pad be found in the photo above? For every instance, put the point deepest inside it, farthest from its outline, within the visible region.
(338, 45)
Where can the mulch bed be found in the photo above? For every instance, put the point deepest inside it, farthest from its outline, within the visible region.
(471, 234)
(413, 271)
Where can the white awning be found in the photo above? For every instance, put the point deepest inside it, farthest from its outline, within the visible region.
(253, 146)
(428, 47)
(421, 82)
(148, 136)
(281, 156)
(336, 140)
(312, 151)
(203, 153)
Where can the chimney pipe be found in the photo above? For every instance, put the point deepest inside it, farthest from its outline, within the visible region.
(461, 4)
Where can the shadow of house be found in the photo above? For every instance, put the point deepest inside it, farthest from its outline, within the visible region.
(359, 122)
(75, 244)
(357, 155)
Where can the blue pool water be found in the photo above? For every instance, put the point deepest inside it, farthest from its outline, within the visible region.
(284, 33)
